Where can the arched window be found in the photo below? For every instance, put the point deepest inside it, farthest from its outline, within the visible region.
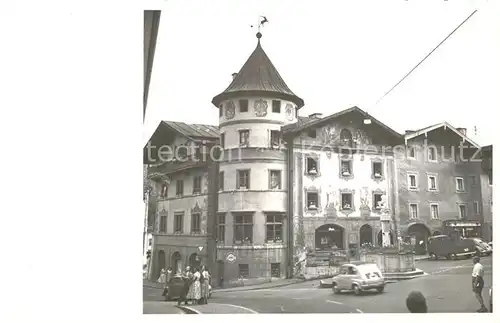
(346, 138)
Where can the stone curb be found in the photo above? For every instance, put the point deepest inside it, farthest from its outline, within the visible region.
(188, 310)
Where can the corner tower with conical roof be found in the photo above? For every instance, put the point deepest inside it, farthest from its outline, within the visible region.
(252, 215)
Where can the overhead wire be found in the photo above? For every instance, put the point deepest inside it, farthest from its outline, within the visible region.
(427, 56)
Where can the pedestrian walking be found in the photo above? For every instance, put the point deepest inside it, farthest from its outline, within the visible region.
(185, 289)
(205, 285)
(186, 278)
(162, 280)
(416, 303)
(478, 282)
(169, 274)
(195, 289)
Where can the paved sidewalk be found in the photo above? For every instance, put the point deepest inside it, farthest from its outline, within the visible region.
(216, 308)
(274, 284)
(161, 308)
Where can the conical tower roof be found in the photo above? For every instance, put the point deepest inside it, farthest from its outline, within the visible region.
(258, 77)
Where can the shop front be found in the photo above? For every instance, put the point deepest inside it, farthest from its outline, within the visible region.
(462, 228)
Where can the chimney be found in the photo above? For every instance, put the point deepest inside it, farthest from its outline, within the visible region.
(234, 75)
(409, 132)
(463, 131)
(316, 115)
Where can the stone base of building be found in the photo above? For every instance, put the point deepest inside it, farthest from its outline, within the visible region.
(249, 264)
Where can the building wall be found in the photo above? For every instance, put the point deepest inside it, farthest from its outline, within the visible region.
(185, 243)
(252, 115)
(447, 169)
(259, 199)
(487, 207)
(329, 182)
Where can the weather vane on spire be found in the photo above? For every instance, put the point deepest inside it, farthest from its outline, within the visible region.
(262, 21)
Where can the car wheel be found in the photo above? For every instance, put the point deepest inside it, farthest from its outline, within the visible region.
(356, 289)
(432, 256)
(452, 256)
(380, 290)
(336, 289)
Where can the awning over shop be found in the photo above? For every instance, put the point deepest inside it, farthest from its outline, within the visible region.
(461, 224)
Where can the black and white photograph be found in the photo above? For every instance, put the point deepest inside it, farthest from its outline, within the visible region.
(318, 157)
(167, 158)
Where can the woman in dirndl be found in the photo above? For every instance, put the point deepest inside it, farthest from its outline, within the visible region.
(195, 288)
(205, 285)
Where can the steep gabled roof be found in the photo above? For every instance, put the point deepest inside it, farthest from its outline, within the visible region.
(258, 76)
(194, 130)
(167, 130)
(302, 125)
(443, 124)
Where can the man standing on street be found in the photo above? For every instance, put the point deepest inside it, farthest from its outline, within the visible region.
(478, 282)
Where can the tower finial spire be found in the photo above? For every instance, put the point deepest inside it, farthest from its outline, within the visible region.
(260, 23)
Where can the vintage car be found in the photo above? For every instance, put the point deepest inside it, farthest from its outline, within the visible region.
(175, 288)
(450, 248)
(482, 248)
(358, 276)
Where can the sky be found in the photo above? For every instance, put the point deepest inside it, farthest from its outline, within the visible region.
(335, 55)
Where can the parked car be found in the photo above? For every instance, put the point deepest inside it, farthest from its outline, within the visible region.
(482, 248)
(490, 244)
(175, 287)
(450, 248)
(358, 277)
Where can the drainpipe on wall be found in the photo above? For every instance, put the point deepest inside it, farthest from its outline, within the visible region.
(395, 202)
(290, 214)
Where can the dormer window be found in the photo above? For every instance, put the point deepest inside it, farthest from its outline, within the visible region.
(345, 138)
(312, 165)
(312, 200)
(346, 168)
(275, 139)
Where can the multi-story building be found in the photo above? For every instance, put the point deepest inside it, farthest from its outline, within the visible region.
(486, 182)
(439, 183)
(344, 176)
(253, 171)
(241, 197)
(183, 175)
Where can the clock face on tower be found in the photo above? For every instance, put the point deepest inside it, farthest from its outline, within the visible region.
(289, 112)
